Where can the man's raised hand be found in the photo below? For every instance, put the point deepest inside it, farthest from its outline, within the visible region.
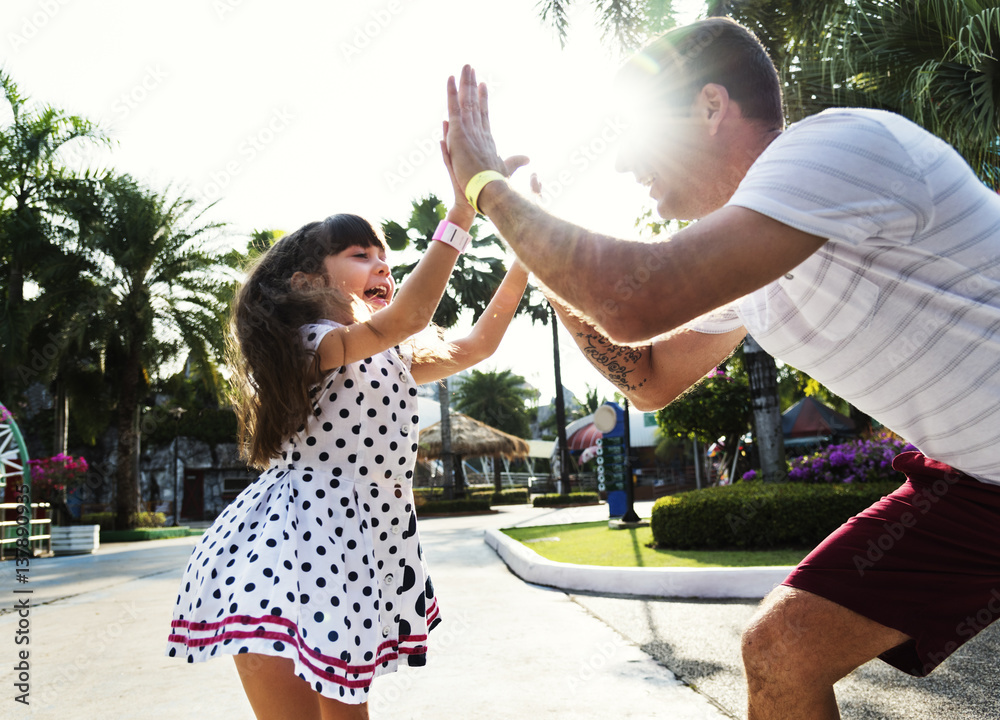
(470, 142)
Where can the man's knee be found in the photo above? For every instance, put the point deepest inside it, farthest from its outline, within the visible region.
(775, 637)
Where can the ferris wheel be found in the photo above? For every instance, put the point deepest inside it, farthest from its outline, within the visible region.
(13, 453)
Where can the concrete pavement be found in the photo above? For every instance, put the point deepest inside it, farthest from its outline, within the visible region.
(699, 641)
(506, 649)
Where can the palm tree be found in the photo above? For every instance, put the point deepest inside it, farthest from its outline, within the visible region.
(165, 289)
(38, 197)
(473, 282)
(497, 399)
(626, 24)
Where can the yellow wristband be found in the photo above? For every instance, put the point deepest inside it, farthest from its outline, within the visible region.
(477, 183)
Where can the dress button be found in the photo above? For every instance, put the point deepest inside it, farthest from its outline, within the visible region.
(789, 276)
(385, 631)
(395, 529)
(405, 429)
(388, 579)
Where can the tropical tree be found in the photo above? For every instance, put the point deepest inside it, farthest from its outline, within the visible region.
(719, 407)
(476, 277)
(165, 291)
(625, 24)
(38, 240)
(497, 399)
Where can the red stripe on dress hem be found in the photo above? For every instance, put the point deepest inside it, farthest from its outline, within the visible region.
(325, 674)
(297, 639)
(245, 635)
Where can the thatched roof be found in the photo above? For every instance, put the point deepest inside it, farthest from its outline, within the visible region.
(471, 438)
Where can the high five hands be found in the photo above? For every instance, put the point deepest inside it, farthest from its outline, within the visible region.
(469, 140)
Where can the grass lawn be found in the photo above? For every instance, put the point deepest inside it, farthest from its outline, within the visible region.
(595, 544)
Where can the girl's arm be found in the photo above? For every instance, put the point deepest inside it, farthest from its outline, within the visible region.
(486, 333)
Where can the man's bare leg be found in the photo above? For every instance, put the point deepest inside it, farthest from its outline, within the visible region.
(797, 646)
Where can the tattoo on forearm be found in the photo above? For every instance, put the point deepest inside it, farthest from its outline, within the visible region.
(617, 363)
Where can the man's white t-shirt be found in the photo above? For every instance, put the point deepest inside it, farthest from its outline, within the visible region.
(899, 312)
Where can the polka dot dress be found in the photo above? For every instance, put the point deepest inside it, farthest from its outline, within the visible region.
(319, 560)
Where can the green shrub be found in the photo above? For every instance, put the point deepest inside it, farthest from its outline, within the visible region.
(426, 493)
(151, 520)
(107, 520)
(555, 500)
(755, 515)
(512, 496)
(442, 507)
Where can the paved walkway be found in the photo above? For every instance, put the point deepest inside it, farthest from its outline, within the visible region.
(506, 649)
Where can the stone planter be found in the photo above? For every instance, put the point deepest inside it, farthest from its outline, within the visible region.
(75, 539)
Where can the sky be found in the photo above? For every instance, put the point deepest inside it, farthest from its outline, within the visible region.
(286, 112)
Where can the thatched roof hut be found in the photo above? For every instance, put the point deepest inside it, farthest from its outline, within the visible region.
(471, 438)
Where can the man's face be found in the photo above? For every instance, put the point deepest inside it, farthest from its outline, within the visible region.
(666, 147)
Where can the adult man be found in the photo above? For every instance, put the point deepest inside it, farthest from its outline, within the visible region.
(854, 246)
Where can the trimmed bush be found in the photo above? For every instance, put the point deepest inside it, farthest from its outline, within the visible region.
(443, 507)
(512, 496)
(555, 500)
(107, 520)
(110, 536)
(752, 515)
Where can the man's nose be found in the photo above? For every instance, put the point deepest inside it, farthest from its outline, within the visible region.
(624, 156)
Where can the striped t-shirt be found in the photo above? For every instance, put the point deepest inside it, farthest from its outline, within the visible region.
(899, 312)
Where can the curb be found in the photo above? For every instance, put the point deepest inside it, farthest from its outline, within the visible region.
(750, 582)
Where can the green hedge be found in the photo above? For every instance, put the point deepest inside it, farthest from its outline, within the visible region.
(577, 498)
(107, 520)
(110, 536)
(443, 507)
(512, 496)
(753, 515)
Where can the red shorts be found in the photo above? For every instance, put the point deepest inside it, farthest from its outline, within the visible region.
(924, 560)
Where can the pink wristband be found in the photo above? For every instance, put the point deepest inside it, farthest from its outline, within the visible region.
(451, 234)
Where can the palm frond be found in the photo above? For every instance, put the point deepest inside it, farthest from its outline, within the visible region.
(554, 12)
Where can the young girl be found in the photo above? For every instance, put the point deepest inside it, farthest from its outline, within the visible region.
(313, 578)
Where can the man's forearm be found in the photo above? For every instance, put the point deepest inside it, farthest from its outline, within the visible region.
(635, 291)
(547, 246)
(627, 368)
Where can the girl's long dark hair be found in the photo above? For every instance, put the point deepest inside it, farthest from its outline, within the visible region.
(272, 371)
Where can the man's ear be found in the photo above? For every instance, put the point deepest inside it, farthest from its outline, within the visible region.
(713, 105)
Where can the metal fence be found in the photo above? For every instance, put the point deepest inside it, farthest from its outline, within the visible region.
(39, 530)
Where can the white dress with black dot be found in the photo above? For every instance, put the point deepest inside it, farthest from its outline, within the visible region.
(319, 560)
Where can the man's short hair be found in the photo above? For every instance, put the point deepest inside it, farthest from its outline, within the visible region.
(717, 50)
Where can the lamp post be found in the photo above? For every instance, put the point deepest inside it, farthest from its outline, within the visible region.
(630, 515)
(176, 413)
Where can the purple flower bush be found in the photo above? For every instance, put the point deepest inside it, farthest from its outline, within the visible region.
(858, 461)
